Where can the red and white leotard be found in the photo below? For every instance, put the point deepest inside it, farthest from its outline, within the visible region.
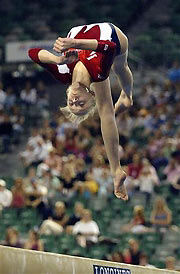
(98, 63)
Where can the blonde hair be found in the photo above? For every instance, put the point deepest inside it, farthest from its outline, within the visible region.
(80, 116)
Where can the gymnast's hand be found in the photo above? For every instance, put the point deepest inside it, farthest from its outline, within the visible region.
(63, 44)
(69, 57)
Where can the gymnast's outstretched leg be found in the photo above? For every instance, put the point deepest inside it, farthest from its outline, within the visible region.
(110, 135)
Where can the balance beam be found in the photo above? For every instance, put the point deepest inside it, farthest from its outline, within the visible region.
(21, 261)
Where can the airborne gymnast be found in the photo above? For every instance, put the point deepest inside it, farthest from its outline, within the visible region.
(85, 58)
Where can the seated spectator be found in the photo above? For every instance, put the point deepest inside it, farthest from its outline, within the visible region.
(54, 162)
(84, 142)
(170, 263)
(53, 185)
(174, 72)
(12, 238)
(17, 120)
(40, 152)
(10, 98)
(143, 261)
(18, 192)
(135, 253)
(28, 94)
(97, 166)
(34, 138)
(36, 195)
(161, 216)
(138, 223)
(42, 94)
(70, 141)
(33, 242)
(6, 132)
(56, 221)
(127, 256)
(146, 164)
(90, 186)
(175, 187)
(116, 256)
(172, 170)
(135, 167)
(75, 217)
(68, 181)
(147, 180)
(105, 182)
(31, 175)
(41, 169)
(5, 195)
(86, 229)
(80, 169)
(28, 156)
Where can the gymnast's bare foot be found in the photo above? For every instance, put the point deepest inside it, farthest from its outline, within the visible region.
(119, 187)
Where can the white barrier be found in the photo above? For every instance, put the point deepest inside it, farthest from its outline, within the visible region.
(21, 261)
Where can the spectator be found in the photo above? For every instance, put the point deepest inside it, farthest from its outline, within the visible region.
(80, 169)
(75, 217)
(143, 261)
(127, 256)
(105, 182)
(56, 222)
(138, 223)
(36, 195)
(17, 120)
(10, 98)
(146, 164)
(174, 72)
(6, 132)
(18, 193)
(147, 99)
(117, 257)
(33, 242)
(35, 138)
(146, 181)
(135, 167)
(86, 229)
(31, 175)
(53, 185)
(97, 165)
(40, 152)
(90, 186)
(27, 156)
(42, 94)
(54, 162)
(12, 238)
(170, 263)
(28, 95)
(69, 182)
(175, 187)
(84, 142)
(161, 216)
(172, 170)
(5, 195)
(134, 251)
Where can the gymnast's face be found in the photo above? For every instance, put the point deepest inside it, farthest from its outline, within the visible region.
(79, 99)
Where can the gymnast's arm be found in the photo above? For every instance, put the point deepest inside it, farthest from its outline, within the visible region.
(42, 56)
(62, 44)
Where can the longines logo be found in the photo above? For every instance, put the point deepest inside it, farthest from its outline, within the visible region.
(110, 270)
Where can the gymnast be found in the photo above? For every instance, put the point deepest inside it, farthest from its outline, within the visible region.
(84, 60)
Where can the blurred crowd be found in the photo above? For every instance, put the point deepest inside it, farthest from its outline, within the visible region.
(15, 108)
(62, 162)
